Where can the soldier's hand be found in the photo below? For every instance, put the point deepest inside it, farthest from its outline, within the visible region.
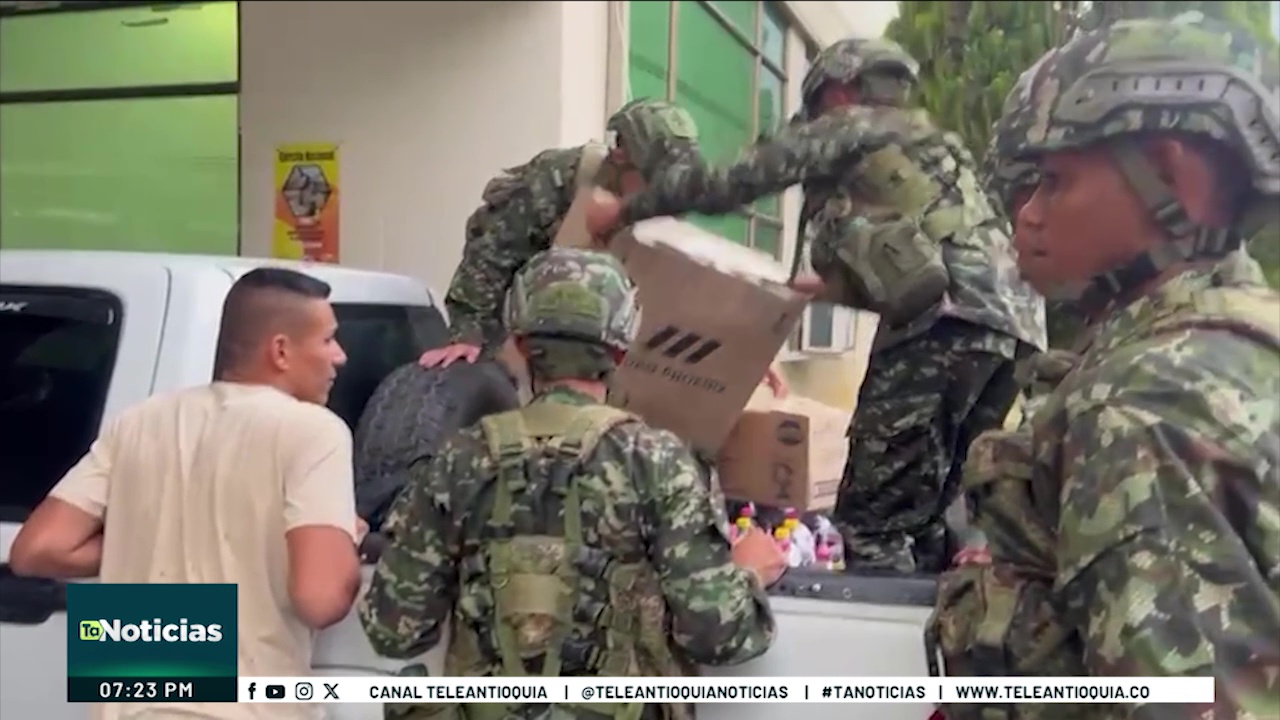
(809, 284)
(776, 384)
(602, 215)
(972, 556)
(756, 551)
(447, 355)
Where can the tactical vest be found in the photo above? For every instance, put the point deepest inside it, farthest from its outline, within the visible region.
(878, 239)
(1003, 619)
(530, 590)
(593, 156)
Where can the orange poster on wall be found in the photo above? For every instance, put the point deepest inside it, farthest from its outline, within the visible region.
(307, 200)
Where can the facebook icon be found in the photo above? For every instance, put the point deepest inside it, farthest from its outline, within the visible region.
(253, 686)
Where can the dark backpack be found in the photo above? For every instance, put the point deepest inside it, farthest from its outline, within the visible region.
(411, 413)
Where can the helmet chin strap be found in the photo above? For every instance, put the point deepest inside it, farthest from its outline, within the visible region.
(1187, 241)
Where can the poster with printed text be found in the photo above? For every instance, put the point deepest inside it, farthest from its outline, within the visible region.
(307, 200)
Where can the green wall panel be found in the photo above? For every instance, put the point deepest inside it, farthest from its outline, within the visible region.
(119, 48)
(156, 175)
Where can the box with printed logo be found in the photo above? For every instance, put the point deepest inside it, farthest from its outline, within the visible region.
(714, 316)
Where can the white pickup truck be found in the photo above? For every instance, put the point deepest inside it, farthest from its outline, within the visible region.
(84, 335)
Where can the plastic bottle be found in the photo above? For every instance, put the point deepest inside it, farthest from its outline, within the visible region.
(822, 556)
(822, 527)
(828, 534)
(801, 537)
(790, 519)
(782, 536)
(837, 553)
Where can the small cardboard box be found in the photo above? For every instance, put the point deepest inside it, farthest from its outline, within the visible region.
(714, 315)
(786, 453)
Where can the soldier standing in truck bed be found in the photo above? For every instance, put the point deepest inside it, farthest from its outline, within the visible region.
(898, 225)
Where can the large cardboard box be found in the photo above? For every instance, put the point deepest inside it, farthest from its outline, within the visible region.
(714, 315)
(787, 452)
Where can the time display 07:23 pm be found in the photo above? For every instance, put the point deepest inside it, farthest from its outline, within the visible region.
(145, 690)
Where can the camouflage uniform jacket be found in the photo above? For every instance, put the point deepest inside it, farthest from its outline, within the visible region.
(1164, 444)
(827, 156)
(520, 213)
(1039, 375)
(646, 499)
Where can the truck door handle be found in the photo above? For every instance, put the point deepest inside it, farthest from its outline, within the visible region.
(29, 601)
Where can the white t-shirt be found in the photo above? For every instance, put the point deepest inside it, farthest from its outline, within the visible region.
(200, 486)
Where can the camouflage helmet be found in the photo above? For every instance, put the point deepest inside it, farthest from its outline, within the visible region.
(848, 60)
(573, 294)
(1189, 75)
(1004, 172)
(650, 130)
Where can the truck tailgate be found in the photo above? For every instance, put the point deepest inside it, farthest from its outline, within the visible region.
(836, 626)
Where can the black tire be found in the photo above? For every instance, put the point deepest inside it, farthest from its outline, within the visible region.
(410, 415)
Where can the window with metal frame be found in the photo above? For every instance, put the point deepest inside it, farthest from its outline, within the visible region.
(724, 63)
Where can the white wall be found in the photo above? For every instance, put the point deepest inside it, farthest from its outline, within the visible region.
(826, 21)
(868, 18)
(428, 100)
(584, 71)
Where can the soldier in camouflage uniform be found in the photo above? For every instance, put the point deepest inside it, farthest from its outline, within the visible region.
(1157, 459)
(892, 205)
(567, 537)
(522, 210)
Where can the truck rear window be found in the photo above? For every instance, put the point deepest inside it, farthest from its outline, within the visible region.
(377, 340)
(57, 351)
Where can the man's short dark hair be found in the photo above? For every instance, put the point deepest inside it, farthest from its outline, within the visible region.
(263, 302)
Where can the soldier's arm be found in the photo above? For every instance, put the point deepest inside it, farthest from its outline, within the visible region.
(720, 614)
(817, 151)
(1165, 503)
(500, 239)
(415, 581)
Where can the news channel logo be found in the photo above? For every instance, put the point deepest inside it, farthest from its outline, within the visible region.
(143, 633)
(154, 630)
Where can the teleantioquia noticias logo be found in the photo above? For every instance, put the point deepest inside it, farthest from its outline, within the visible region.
(149, 631)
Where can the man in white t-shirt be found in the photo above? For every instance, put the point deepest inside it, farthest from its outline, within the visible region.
(247, 480)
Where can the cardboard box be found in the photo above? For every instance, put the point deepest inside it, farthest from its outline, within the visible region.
(714, 315)
(786, 453)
